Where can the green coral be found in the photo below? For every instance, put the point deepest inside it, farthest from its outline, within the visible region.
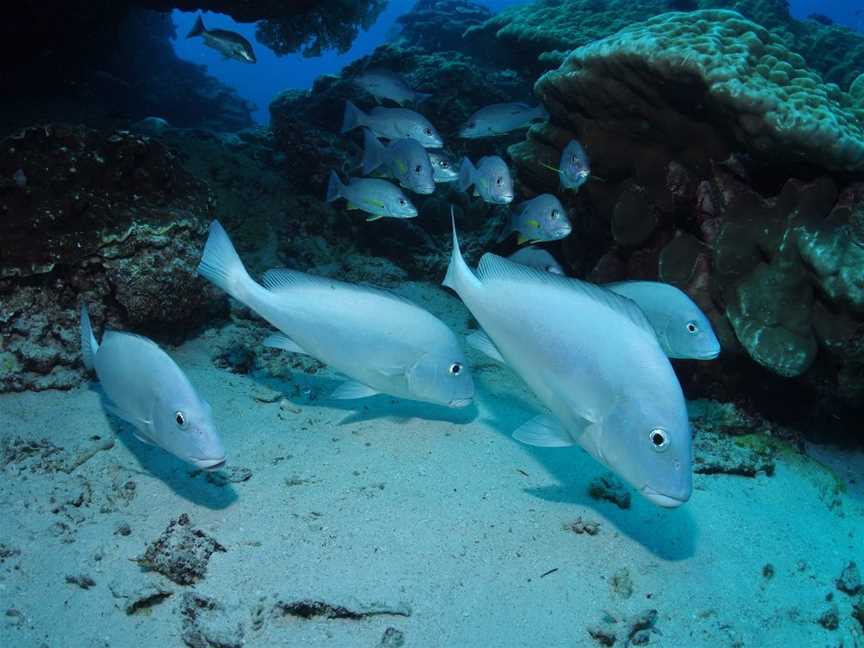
(770, 100)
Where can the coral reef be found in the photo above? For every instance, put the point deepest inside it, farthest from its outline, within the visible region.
(109, 220)
(439, 25)
(738, 184)
(537, 35)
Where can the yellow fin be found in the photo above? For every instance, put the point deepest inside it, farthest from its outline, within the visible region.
(375, 202)
(401, 167)
(352, 206)
(522, 239)
(533, 223)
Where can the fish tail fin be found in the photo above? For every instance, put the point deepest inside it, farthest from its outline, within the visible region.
(466, 174)
(221, 265)
(334, 188)
(352, 118)
(197, 29)
(459, 275)
(420, 97)
(89, 346)
(373, 152)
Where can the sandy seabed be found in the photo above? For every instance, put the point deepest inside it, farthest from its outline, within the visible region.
(384, 523)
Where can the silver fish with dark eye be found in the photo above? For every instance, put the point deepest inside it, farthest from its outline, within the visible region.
(490, 178)
(145, 387)
(228, 43)
(597, 367)
(381, 342)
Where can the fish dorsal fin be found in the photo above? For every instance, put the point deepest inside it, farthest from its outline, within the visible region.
(493, 267)
(282, 279)
(543, 431)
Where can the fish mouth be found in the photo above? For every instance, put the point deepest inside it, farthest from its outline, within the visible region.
(660, 499)
(564, 232)
(460, 402)
(209, 465)
(708, 355)
(506, 199)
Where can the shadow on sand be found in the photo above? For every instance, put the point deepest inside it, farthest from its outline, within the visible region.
(670, 534)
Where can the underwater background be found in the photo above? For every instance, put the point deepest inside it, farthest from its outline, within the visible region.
(259, 466)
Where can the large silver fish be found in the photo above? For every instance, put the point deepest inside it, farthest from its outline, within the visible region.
(491, 179)
(404, 159)
(383, 343)
(372, 195)
(392, 123)
(228, 43)
(146, 388)
(682, 328)
(386, 84)
(540, 219)
(501, 118)
(593, 359)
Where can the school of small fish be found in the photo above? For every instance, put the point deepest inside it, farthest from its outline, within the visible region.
(595, 356)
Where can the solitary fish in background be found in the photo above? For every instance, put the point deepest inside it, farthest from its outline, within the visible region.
(539, 219)
(377, 197)
(442, 167)
(593, 359)
(145, 387)
(574, 168)
(230, 44)
(682, 328)
(385, 84)
(501, 118)
(491, 179)
(537, 258)
(383, 343)
(392, 123)
(405, 160)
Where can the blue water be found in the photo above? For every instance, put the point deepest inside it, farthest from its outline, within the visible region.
(261, 82)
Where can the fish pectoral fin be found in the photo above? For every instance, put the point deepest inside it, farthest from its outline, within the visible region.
(352, 206)
(543, 431)
(114, 410)
(521, 240)
(352, 389)
(482, 343)
(533, 223)
(279, 341)
(142, 438)
(374, 218)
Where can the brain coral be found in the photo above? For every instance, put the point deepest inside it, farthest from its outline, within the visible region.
(731, 70)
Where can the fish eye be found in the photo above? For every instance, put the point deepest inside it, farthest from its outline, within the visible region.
(443, 164)
(428, 131)
(455, 369)
(402, 201)
(499, 180)
(692, 328)
(418, 169)
(555, 214)
(659, 439)
(180, 419)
